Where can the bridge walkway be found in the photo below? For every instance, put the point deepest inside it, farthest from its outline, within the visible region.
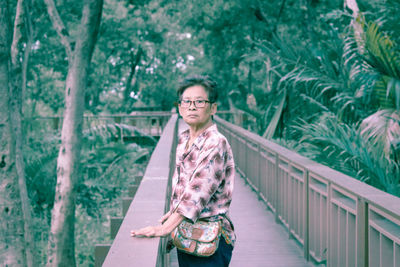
(261, 242)
(314, 212)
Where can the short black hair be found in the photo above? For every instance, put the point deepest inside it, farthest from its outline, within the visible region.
(209, 85)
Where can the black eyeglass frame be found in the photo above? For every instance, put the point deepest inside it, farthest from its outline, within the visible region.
(189, 103)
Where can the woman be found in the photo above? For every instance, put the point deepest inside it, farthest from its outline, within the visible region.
(204, 175)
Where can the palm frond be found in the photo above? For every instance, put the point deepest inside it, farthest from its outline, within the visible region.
(381, 129)
(103, 133)
(380, 51)
(314, 102)
(108, 165)
(384, 58)
(343, 148)
(270, 131)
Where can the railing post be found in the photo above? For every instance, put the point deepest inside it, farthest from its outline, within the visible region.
(306, 245)
(259, 175)
(100, 254)
(133, 188)
(362, 233)
(238, 118)
(115, 223)
(277, 208)
(329, 226)
(126, 202)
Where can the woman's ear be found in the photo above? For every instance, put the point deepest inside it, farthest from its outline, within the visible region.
(213, 108)
(180, 110)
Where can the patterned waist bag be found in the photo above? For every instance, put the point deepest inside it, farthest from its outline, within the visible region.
(200, 238)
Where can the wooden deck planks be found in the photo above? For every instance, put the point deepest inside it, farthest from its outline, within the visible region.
(260, 240)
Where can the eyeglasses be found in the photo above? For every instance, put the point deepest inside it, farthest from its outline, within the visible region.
(200, 103)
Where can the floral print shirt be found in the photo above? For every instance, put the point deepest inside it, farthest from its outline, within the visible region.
(204, 178)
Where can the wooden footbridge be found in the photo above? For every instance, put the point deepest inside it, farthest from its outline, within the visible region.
(287, 210)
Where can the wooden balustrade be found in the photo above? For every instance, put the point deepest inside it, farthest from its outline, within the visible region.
(148, 122)
(101, 250)
(337, 219)
(148, 205)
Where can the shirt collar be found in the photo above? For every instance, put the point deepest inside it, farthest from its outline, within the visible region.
(202, 137)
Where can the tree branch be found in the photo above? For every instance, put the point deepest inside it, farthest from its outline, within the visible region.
(17, 35)
(59, 27)
(134, 62)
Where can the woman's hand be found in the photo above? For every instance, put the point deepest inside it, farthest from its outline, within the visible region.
(149, 231)
(170, 221)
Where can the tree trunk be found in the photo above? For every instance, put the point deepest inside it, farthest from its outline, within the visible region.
(22, 20)
(11, 226)
(250, 73)
(134, 62)
(61, 239)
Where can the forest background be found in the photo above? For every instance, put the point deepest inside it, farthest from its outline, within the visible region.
(319, 77)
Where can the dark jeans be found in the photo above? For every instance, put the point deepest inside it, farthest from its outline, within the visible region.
(220, 258)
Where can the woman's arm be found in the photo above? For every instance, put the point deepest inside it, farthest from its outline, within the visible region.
(160, 230)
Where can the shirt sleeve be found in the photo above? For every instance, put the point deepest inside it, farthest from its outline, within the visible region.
(173, 185)
(205, 180)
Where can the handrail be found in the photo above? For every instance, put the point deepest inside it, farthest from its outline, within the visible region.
(150, 122)
(132, 114)
(336, 218)
(148, 205)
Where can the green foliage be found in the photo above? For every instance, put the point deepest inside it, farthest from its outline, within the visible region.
(41, 160)
(334, 100)
(141, 62)
(107, 166)
(384, 58)
(107, 177)
(359, 84)
(345, 148)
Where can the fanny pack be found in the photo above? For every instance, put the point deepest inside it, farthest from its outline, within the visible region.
(200, 238)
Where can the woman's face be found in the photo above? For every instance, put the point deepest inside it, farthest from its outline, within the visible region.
(196, 116)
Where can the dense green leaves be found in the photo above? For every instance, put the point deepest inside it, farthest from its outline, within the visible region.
(351, 151)
(294, 67)
(343, 97)
(107, 166)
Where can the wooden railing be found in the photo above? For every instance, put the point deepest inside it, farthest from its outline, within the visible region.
(148, 123)
(336, 218)
(149, 204)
